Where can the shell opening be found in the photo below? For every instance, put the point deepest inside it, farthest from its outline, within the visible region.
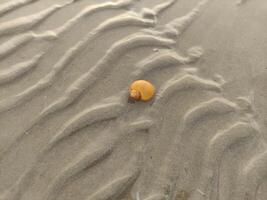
(135, 95)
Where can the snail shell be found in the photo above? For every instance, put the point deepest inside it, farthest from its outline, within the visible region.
(142, 90)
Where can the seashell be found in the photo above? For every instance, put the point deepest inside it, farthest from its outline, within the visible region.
(141, 90)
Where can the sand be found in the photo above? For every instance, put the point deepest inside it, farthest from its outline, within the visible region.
(68, 130)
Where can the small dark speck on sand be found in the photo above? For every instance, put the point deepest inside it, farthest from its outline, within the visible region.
(131, 101)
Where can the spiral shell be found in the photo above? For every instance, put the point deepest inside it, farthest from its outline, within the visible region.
(141, 90)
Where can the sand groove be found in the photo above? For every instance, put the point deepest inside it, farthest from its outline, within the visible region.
(12, 45)
(85, 161)
(19, 69)
(166, 59)
(114, 189)
(184, 83)
(27, 22)
(92, 9)
(218, 106)
(251, 177)
(13, 5)
(96, 113)
(215, 151)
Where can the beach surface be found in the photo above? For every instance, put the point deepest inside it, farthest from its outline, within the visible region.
(69, 130)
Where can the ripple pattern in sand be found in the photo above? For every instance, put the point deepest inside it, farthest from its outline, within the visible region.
(116, 149)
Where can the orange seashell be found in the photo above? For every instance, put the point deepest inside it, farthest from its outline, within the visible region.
(141, 90)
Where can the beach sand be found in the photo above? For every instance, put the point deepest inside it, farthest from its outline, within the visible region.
(69, 131)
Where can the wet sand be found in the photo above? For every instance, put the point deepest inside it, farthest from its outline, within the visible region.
(70, 132)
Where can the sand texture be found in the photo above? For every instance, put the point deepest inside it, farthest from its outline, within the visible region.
(69, 131)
